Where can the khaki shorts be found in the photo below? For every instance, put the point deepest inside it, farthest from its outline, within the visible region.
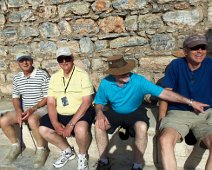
(41, 111)
(182, 121)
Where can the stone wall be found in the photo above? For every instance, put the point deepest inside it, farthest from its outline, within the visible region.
(149, 31)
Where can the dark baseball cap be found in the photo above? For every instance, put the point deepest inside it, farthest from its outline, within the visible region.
(194, 40)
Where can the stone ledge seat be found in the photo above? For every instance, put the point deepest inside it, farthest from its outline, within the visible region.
(120, 151)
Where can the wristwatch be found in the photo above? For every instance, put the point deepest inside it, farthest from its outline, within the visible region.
(71, 124)
(190, 102)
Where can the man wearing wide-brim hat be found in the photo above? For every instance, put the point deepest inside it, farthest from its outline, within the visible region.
(124, 92)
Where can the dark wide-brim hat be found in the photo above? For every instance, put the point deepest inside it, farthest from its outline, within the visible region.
(118, 66)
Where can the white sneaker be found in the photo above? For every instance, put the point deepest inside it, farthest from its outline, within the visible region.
(82, 162)
(64, 157)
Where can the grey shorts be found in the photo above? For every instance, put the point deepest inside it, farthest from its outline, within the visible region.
(41, 111)
(182, 121)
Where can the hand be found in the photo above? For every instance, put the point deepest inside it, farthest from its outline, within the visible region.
(19, 118)
(158, 127)
(27, 113)
(198, 107)
(67, 131)
(102, 121)
(59, 128)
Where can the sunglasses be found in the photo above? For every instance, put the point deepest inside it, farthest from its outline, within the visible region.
(61, 59)
(124, 75)
(24, 59)
(195, 48)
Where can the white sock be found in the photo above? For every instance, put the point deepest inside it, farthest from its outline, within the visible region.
(80, 156)
(40, 147)
(136, 165)
(67, 150)
(15, 144)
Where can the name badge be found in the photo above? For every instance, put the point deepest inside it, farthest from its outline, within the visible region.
(64, 101)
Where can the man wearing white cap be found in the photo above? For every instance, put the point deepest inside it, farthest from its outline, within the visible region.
(69, 110)
(29, 101)
(124, 92)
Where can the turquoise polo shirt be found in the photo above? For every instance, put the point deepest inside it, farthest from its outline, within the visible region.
(128, 98)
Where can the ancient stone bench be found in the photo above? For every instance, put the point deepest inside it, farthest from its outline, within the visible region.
(187, 156)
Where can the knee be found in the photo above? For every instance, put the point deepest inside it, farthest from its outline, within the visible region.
(4, 121)
(96, 126)
(163, 140)
(208, 142)
(140, 127)
(167, 142)
(81, 130)
(33, 122)
(43, 131)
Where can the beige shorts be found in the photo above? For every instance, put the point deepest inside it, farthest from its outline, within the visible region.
(41, 111)
(182, 121)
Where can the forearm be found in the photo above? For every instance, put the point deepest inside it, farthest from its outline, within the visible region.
(40, 104)
(52, 113)
(163, 106)
(99, 109)
(174, 97)
(17, 105)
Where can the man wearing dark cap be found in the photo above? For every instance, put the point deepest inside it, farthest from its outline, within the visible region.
(123, 92)
(69, 110)
(29, 101)
(190, 76)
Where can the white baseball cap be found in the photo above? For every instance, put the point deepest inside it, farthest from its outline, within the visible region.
(22, 55)
(63, 51)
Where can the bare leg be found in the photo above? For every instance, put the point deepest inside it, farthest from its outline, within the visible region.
(34, 124)
(140, 141)
(9, 126)
(102, 142)
(168, 140)
(208, 142)
(83, 136)
(51, 136)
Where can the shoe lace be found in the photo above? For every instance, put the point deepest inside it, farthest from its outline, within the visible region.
(82, 162)
(62, 156)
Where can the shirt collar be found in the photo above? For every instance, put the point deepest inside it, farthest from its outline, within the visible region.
(60, 72)
(32, 75)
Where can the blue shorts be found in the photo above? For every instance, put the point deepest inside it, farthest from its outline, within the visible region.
(65, 119)
(126, 120)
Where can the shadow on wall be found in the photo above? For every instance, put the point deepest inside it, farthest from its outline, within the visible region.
(208, 35)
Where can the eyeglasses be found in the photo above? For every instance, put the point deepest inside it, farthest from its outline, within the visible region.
(195, 48)
(23, 59)
(61, 59)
